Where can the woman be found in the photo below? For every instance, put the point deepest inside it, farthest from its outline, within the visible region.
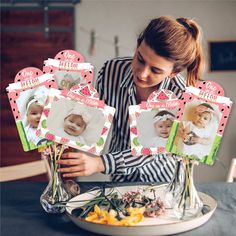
(166, 47)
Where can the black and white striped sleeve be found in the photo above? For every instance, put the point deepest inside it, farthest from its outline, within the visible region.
(150, 168)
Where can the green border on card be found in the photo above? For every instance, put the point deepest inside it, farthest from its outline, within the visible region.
(23, 137)
(208, 159)
(170, 147)
(215, 146)
(28, 146)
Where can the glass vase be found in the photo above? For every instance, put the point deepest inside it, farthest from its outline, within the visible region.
(181, 194)
(55, 193)
(175, 187)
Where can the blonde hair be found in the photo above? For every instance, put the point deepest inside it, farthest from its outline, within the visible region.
(178, 40)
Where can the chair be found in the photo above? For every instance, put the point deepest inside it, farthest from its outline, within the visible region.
(232, 171)
(21, 171)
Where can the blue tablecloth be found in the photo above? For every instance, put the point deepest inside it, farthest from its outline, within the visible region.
(22, 214)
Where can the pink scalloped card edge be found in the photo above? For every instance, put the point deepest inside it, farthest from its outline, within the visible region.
(70, 55)
(69, 69)
(206, 92)
(27, 80)
(159, 100)
(62, 100)
(27, 73)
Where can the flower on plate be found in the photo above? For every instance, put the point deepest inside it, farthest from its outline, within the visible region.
(110, 217)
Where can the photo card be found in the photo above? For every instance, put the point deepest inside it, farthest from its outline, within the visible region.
(201, 120)
(27, 98)
(77, 118)
(69, 69)
(151, 122)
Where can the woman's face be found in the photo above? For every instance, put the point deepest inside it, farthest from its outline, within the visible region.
(34, 114)
(148, 68)
(74, 125)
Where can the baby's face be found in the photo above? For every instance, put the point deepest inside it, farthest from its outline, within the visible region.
(34, 114)
(163, 128)
(74, 125)
(201, 120)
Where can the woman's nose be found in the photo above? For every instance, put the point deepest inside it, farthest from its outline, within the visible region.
(144, 72)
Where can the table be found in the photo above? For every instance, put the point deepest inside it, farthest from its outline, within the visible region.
(22, 214)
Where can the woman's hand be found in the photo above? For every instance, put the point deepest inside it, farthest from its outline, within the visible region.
(76, 164)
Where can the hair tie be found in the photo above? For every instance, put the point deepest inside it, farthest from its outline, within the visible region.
(183, 22)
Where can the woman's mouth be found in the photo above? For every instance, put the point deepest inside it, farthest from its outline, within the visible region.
(140, 81)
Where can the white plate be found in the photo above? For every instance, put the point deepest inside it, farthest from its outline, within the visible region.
(163, 225)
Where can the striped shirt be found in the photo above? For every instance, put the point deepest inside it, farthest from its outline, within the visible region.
(115, 86)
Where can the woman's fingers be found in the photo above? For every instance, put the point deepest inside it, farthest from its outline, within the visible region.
(71, 169)
(80, 164)
(70, 162)
(71, 158)
(72, 155)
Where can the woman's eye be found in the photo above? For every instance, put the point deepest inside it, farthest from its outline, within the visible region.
(140, 60)
(154, 71)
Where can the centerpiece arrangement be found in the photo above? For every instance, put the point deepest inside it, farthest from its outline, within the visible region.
(189, 131)
(44, 103)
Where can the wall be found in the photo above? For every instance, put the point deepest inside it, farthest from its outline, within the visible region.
(128, 17)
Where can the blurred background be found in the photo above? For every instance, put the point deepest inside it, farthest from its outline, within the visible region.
(33, 31)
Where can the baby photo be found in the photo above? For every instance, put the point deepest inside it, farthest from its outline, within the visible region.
(75, 121)
(67, 79)
(30, 104)
(162, 123)
(154, 126)
(197, 129)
